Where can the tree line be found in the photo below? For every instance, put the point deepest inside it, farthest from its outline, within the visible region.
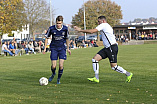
(16, 13)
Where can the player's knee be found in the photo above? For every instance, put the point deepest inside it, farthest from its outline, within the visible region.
(94, 61)
(53, 66)
(60, 66)
(115, 67)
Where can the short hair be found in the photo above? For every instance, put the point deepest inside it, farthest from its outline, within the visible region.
(59, 18)
(102, 17)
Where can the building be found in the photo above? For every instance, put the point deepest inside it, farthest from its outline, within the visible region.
(19, 34)
(135, 30)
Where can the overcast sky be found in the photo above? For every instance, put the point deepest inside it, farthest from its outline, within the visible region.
(131, 9)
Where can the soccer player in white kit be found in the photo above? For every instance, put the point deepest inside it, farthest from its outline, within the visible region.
(110, 49)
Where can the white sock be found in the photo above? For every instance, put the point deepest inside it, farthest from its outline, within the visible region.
(96, 68)
(119, 69)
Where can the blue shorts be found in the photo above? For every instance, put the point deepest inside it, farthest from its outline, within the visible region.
(55, 53)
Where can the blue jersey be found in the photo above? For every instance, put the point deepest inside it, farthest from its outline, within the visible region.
(59, 36)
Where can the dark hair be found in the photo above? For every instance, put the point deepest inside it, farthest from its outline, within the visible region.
(102, 17)
(59, 18)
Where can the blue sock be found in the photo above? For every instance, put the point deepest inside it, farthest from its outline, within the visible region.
(60, 72)
(53, 70)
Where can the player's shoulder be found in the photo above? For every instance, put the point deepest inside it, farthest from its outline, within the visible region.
(52, 27)
(65, 27)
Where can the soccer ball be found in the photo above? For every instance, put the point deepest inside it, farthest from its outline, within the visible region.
(43, 81)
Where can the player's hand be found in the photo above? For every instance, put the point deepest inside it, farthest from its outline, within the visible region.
(44, 50)
(77, 28)
(69, 52)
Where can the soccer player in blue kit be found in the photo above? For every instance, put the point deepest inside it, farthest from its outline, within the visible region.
(109, 51)
(58, 45)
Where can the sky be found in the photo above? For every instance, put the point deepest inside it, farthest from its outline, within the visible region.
(131, 9)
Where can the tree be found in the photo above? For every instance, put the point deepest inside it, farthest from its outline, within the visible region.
(95, 8)
(11, 16)
(38, 14)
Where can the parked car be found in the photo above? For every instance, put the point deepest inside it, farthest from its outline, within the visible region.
(17, 40)
(80, 38)
(93, 37)
(38, 39)
(5, 40)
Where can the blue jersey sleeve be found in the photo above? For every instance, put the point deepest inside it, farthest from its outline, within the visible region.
(67, 33)
(48, 33)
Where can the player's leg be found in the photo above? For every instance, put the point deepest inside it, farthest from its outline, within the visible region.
(95, 64)
(112, 55)
(53, 69)
(119, 69)
(62, 57)
(60, 71)
(53, 57)
(95, 61)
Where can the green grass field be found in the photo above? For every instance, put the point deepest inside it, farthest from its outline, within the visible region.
(19, 78)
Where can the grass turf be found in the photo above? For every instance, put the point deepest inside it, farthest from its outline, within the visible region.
(19, 78)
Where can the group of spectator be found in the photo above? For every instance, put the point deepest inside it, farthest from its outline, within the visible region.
(31, 47)
(74, 44)
(14, 48)
(122, 38)
(139, 36)
(144, 36)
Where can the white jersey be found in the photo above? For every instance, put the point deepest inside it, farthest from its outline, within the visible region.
(107, 34)
(3, 47)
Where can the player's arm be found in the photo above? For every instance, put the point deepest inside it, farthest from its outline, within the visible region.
(67, 43)
(85, 31)
(47, 35)
(45, 44)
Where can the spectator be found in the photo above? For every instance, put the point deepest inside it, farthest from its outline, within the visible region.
(71, 45)
(20, 47)
(125, 38)
(8, 43)
(94, 44)
(122, 38)
(48, 45)
(26, 47)
(31, 47)
(155, 35)
(15, 43)
(139, 37)
(150, 35)
(74, 45)
(133, 36)
(13, 49)
(83, 44)
(142, 36)
(145, 36)
(5, 49)
(37, 47)
(89, 43)
(41, 45)
(76, 41)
